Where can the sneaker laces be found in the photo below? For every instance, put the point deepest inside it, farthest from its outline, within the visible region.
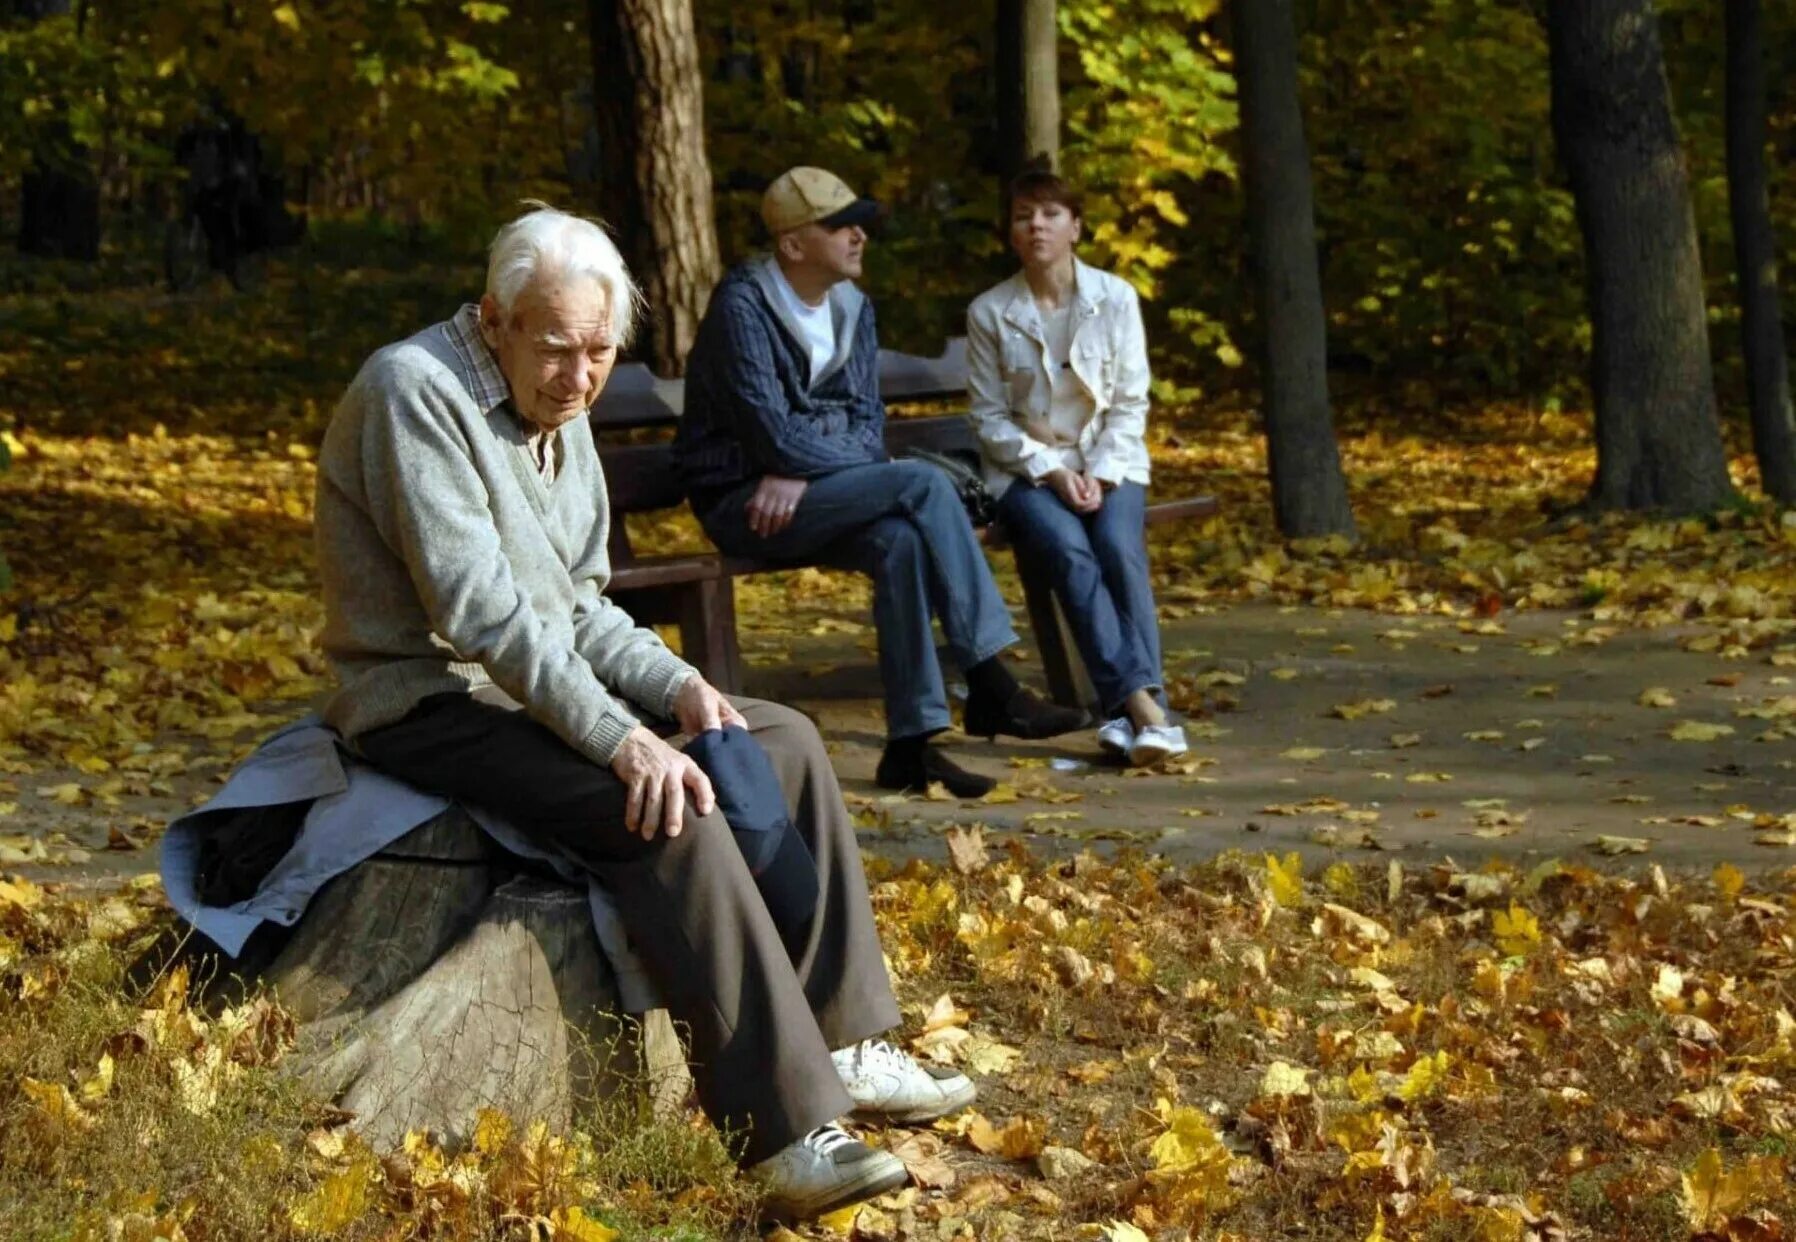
(877, 1053)
(827, 1138)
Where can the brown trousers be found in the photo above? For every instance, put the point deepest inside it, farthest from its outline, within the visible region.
(761, 1025)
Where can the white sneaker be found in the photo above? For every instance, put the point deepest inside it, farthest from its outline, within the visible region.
(1156, 744)
(889, 1084)
(1116, 736)
(825, 1170)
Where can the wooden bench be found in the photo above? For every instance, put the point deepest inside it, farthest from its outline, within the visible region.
(696, 592)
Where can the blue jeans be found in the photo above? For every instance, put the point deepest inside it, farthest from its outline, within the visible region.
(1097, 564)
(901, 524)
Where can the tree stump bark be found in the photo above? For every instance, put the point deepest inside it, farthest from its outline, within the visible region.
(519, 1014)
(431, 981)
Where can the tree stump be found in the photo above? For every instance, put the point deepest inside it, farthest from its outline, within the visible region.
(433, 980)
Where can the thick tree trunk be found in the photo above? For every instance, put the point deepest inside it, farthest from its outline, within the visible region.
(59, 200)
(1755, 254)
(1028, 81)
(59, 213)
(1658, 437)
(1309, 491)
(649, 94)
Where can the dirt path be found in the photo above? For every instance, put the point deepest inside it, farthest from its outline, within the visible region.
(1578, 757)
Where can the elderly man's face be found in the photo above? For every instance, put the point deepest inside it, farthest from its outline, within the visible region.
(834, 254)
(555, 347)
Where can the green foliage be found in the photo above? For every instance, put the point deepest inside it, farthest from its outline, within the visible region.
(895, 99)
(69, 88)
(1448, 242)
(1448, 245)
(1147, 120)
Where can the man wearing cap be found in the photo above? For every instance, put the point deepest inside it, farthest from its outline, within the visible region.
(783, 448)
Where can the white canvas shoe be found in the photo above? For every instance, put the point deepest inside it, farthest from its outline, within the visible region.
(1156, 744)
(889, 1084)
(1116, 736)
(825, 1170)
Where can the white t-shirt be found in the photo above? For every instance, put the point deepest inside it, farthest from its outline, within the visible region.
(1071, 405)
(815, 322)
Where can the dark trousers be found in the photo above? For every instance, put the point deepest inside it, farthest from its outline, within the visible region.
(1098, 565)
(901, 524)
(762, 1025)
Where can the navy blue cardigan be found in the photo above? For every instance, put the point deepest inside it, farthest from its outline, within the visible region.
(750, 407)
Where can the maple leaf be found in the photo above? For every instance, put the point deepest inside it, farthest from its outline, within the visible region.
(1425, 1078)
(966, 848)
(341, 1200)
(1363, 707)
(1282, 1080)
(1517, 931)
(1712, 1195)
(573, 1224)
(1284, 880)
(1021, 1138)
(1698, 731)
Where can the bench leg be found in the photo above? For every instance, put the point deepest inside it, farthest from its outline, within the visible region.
(1067, 680)
(708, 633)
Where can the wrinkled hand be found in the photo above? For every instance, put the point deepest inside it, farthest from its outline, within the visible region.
(771, 508)
(699, 706)
(1078, 492)
(659, 779)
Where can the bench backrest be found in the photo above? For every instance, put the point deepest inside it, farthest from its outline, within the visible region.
(643, 477)
(637, 397)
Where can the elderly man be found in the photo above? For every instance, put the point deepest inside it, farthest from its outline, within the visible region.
(461, 533)
(783, 448)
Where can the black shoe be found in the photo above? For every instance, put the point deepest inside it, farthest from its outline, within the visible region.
(1026, 715)
(903, 767)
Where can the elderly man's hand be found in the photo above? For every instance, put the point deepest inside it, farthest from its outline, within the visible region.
(659, 779)
(698, 707)
(771, 508)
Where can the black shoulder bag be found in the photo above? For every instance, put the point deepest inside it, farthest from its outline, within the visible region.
(962, 470)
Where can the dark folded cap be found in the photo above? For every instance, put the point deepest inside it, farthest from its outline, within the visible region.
(747, 787)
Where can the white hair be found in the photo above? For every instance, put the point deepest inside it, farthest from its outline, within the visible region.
(545, 241)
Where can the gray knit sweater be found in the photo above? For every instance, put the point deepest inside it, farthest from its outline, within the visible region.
(449, 562)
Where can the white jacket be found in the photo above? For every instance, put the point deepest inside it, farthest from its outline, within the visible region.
(1011, 392)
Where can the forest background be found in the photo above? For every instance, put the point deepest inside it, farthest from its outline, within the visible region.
(1448, 245)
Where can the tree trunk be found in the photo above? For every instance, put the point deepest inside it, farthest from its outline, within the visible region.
(59, 200)
(1755, 254)
(1028, 64)
(1309, 491)
(1658, 437)
(649, 94)
(59, 212)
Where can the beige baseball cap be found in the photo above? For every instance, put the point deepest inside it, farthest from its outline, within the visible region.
(805, 195)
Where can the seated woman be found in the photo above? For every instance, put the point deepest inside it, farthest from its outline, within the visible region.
(1058, 381)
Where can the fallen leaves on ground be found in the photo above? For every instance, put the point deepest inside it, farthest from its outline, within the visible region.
(1413, 1051)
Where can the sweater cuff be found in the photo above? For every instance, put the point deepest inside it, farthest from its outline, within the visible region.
(682, 675)
(607, 736)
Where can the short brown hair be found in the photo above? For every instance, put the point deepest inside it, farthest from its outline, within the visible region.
(1044, 185)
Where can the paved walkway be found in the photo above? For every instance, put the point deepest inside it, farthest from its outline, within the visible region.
(1525, 742)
